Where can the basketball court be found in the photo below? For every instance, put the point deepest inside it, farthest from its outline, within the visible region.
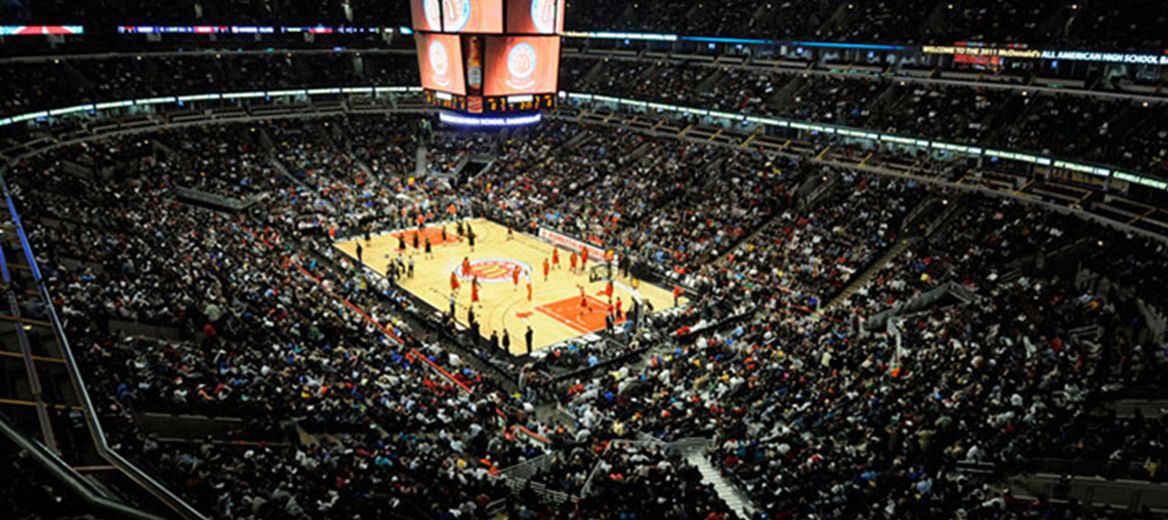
(554, 313)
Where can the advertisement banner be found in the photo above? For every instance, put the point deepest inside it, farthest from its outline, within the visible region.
(535, 16)
(426, 15)
(522, 65)
(558, 239)
(440, 63)
(472, 16)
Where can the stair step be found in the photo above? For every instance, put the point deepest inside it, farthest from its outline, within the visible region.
(735, 499)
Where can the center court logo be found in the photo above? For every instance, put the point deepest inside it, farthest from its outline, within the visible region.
(439, 63)
(521, 63)
(543, 15)
(494, 270)
(455, 13)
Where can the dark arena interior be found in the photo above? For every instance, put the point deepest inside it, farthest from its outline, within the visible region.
(584, 259)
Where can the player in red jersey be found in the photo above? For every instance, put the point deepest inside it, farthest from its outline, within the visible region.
(583, 302)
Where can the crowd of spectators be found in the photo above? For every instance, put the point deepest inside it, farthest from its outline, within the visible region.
(1099, 25)
(811, 411)
(1116, 131)
(1087, 24)
(197, 12)
(60, 83)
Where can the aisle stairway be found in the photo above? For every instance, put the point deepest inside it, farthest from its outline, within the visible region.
(860, 281)
(734, 497)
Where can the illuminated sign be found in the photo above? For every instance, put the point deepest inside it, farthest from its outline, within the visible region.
(998, 52)
(623, 36)
(40, 30)
(248, 29)
(463, 120)
(1107, 57)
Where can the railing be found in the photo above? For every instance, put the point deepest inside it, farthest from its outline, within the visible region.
(72, 480)
(135, 474)
(526, 469)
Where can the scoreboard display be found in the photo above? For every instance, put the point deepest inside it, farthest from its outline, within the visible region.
(489, 56)
(491, 105)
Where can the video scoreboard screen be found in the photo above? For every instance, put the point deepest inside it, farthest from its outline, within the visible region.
(489, 56)
(531, 17)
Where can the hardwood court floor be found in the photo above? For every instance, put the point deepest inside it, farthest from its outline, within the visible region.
(554, 312)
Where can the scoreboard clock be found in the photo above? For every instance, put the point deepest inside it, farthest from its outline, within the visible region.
(491, 104)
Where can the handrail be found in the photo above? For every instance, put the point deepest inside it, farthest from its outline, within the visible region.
(69, 477)
(140, 477)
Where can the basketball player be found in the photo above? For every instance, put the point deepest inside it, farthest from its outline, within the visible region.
(429, 249)
(474, 291)
(619, 304)
(454, 285)
(444, 233)
(416, 240)
(470, 238)
(529, 289)
(556, 257)
(465, 266)
(572, 261)
(583, 258)
(583, 302)
(515, 279)
(401, 242)
(546, 269)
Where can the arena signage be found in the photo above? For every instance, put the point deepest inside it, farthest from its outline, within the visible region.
(40, 30)
(1142, 181)
(1000, 52)
(560, 240)
(245, 29)
(1107, 57)
(459, 119)
(622, 36)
